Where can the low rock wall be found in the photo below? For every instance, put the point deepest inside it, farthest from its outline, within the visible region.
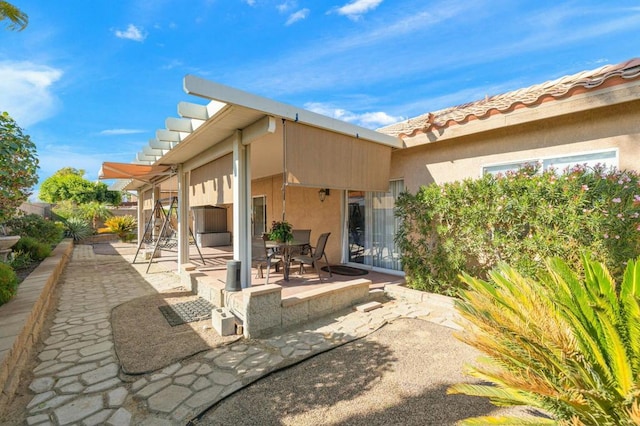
(22, 318)
(262, 309)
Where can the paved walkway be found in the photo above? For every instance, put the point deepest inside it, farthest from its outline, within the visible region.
(78, 379)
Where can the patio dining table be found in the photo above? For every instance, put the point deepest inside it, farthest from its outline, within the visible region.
(287, 250)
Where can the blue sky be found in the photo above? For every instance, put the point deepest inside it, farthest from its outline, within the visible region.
(91, 81)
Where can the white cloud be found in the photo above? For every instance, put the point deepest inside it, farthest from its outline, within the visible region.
(26, 91)
(297, 16)
(131, 33)
(110, 132)
(357, 8)
(371, 120)
(287, 6)
(250, 2)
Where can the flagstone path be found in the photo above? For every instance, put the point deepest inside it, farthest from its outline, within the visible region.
(78, 380)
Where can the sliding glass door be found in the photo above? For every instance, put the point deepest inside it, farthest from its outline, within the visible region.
(372, 226)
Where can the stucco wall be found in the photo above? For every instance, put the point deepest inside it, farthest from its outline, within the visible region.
(304, 211)
(457, 158)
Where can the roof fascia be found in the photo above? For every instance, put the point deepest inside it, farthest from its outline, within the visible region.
(210, 90)
(555, 108)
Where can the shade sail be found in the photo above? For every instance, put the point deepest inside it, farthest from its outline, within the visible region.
(143, 172)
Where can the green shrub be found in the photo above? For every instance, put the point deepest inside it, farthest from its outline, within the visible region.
(36, 249)
(20, 260)
(8, 283)
(77, 228)
(566, 344)
(520, 218)
(121, 225)
(32, 225)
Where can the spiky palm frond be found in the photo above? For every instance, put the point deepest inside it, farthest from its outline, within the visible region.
(19, 20)
(566, 345)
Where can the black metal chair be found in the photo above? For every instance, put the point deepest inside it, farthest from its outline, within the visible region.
(315, 255)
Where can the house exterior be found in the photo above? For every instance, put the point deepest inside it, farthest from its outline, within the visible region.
(262, 161)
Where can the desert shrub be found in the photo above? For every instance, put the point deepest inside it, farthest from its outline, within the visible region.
(520, 218)
(36, 249)
(34, 226)
(121, 225)
(77, 228)
(8, 283)
(566, 343)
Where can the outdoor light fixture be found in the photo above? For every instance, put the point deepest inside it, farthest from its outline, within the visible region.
(322, 194)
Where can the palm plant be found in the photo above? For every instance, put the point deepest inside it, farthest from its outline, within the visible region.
(121, 225)
(18, 18)
(566, 345)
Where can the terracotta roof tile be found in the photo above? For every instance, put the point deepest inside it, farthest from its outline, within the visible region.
(506, 102)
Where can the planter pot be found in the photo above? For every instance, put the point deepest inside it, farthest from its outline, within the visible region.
(8, 241)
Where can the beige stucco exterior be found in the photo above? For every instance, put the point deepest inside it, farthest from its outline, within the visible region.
(304, 210)
(453, 158)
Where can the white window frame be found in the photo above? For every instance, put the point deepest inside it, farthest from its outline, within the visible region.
(541, 160)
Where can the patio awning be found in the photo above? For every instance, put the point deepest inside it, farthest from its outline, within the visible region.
(141, 172)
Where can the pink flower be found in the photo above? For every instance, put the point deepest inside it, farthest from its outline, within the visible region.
(606, 236)
(585, 187)
(617, 237)
(638, 228)
(616, 200)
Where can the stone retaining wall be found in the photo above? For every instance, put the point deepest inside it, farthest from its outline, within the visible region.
(262, 309)
(22, 318)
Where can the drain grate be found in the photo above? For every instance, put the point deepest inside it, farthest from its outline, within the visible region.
(182, 313)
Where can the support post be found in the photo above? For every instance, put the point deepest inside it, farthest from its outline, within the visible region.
(241, 205)
(183, 218)
(140, 215)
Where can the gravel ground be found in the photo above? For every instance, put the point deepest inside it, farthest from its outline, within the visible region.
(397, 375)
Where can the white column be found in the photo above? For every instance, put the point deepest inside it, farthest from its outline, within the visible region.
(142, 224)
(156, 218)
(241, 205)
(183, 218)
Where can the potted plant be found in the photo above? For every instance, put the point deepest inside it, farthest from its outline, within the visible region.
(281, 231)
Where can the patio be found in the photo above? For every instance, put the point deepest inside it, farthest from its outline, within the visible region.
(216, 267)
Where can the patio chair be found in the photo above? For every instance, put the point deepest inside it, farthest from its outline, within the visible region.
(314, 257)
(263, 256)
(303, 235)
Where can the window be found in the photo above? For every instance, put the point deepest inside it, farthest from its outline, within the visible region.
(608, 159)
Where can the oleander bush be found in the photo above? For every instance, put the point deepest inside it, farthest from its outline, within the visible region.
(37, 250)
(567, 343)
(8, 283)
(35, 226)
(121, 225)
(521, 218)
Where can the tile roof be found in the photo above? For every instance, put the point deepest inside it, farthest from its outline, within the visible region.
(506, 102)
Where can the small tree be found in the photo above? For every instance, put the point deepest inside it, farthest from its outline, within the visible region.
(68, 184)
(18, 167)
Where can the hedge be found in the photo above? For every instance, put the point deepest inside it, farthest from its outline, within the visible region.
(520, 218)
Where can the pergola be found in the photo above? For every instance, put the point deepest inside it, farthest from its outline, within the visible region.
(215, 151)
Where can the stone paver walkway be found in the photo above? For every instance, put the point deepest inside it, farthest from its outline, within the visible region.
(78, 380)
